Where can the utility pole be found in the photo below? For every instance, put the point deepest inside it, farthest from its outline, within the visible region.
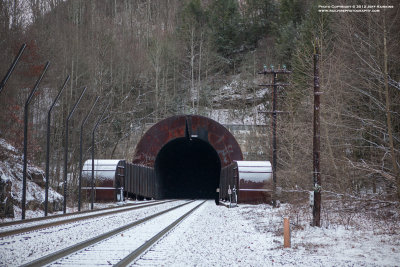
(316, 144)
(274, 113)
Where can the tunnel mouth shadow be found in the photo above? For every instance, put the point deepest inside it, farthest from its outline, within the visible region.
(187, 168)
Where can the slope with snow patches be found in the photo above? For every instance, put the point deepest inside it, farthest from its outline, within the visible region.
(11, 167)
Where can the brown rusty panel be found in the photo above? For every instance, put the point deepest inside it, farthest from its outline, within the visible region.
(102, 195)
(174, 127)
(246, 184)
(105, 183)
(258, 192)
(254, 197)
(105, 195)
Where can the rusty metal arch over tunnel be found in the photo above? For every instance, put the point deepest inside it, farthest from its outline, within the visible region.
(187, 153)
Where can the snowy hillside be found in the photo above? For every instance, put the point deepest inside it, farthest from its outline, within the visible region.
(11, 166)
(239, 102)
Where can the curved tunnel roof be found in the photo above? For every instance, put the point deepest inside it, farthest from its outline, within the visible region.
(189, 126)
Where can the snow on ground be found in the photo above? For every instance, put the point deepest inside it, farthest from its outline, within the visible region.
(249, 235)
(253, 236)
(7, 146)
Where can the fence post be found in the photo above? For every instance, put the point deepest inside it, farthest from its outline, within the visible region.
(80, 152)
(26, 113)
(93, 134)
(46, 198)
(66, 149)
(11, 69)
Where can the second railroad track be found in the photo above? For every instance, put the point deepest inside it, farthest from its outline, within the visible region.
(123, 245)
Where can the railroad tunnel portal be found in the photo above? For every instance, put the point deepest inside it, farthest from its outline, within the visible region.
(188, 168)
(187, 153)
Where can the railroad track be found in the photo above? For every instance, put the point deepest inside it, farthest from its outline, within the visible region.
(14, 228)
(123, 245)
(25, 221)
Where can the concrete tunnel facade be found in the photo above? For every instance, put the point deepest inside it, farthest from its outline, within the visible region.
(187, 153)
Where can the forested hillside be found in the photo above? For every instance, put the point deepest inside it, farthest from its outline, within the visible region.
(149, 60)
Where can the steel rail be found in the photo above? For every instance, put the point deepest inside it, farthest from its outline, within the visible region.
(21, 222)
(139, 251)
(45, 225)
(69, 250)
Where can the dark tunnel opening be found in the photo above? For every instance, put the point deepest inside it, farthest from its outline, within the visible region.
(187, 169)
